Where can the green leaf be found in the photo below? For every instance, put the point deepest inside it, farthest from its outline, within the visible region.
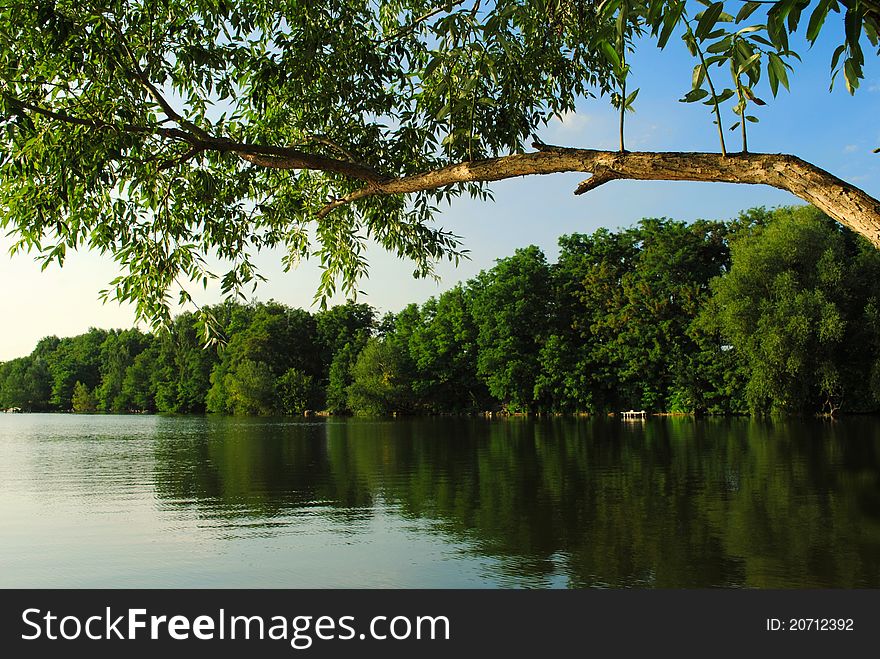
(749, 63)
(611, 54)
(720, 46)
(630, 99)
(835, 58)
(750, 29)
(817, 20)
(776, 67)
(707, 19)
(725, 95)
(694, 95)
(850, 76)
(670, 21)
(747, 10)
(698, 76)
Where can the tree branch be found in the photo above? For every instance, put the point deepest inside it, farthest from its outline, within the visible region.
(144, 81)
(326, 141)
(410, 27)
(275, 157)
(97, 124)
(599, 177)
(844, 202)
(201, 140)
(840, 200)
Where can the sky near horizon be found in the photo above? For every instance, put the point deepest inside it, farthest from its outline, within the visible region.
(835, 131)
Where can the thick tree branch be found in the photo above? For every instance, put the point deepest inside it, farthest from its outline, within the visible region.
(335, 146)
(97, 124)
(844, 202)
(288, 158)
(276, 157)
(837, 198)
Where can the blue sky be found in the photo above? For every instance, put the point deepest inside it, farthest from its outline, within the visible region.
(832, 130)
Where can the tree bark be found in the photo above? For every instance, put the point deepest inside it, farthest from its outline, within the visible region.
(840, 200)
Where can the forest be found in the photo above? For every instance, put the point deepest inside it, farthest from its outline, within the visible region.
(774, 312)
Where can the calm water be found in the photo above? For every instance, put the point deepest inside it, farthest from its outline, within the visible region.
(114, 501)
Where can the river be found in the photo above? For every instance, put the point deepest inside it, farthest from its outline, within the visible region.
(156, 501)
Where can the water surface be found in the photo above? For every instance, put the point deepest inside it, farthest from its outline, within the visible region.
(143, 501)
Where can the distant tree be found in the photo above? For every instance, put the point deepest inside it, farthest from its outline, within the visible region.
(379, 385)
(444, 349)
(342, 324)
(271, 334)
(76, 359)
(654, 343)
(799, 306)
(626, 303)
(217, 398)
(511, 308)
(139, 383)
(397, 332)
(118, 352)
(182, 366)
(250, 389)
(25, 383)
(83, 400)
(340, 378)
(296, 392)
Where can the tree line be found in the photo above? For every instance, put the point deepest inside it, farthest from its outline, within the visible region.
(777, 311)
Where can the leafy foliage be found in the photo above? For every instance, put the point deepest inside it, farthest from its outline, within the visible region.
(84, 399)
(379, 384)
(775, 311)
(799, 306)
(174, 134)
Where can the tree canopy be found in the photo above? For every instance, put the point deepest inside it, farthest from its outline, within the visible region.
(167, 133)
(774, 312)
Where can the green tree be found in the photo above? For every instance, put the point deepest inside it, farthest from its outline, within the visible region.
(25, 383)
(379, 384)
(444, 349)
(626, 307)
(84, 400)
(587, 286)
(297, 392)
(166, 132)
(139, 384)
(512, 307)
(271, 334)
(799, 307)
(250, 388)
(75, 359)
(118, 352)
(340, 325)
(339, 378)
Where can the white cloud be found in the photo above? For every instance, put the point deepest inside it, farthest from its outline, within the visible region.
(571, 123)
(850, 148)
(589, 130)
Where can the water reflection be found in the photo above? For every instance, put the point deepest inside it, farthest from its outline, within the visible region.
(667, 503)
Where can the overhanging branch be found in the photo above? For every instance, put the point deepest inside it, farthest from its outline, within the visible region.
(844, 202)
(838, 199)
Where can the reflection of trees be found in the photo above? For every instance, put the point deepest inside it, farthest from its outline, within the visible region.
(672, 503)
